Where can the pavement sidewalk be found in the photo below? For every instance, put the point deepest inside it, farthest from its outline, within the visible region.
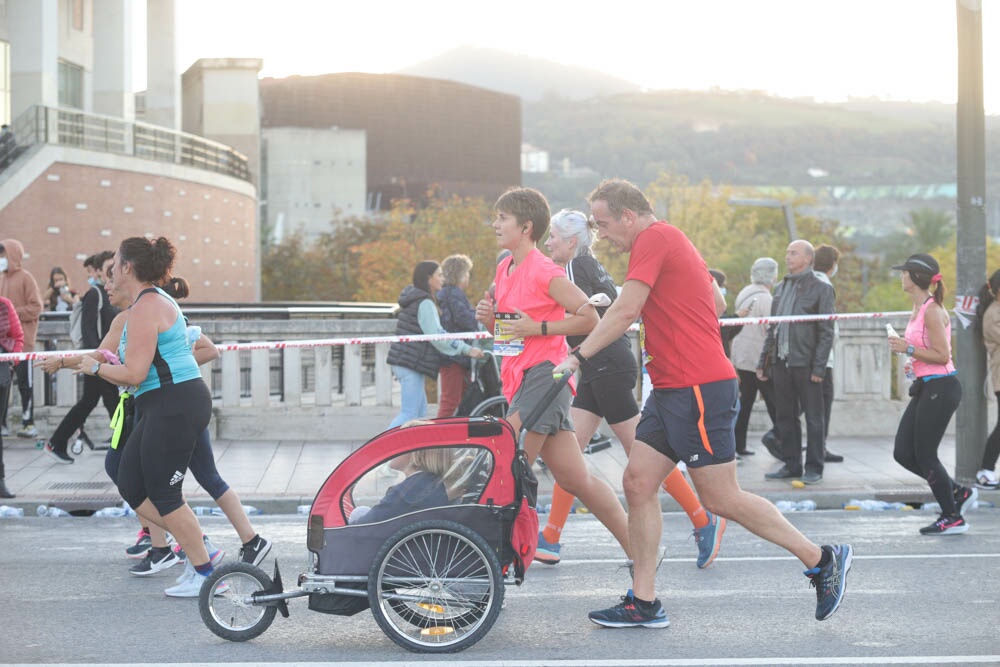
(278, 476)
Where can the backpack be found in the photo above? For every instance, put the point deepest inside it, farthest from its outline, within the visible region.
(76, 320)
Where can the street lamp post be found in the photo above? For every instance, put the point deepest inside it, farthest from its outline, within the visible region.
(786, 208)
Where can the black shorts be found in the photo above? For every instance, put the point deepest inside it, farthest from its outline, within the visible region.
(610, 395)
(155, 459)
(692, 424)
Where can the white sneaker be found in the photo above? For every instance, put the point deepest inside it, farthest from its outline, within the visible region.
(186, 574)
(987, 479)
(191, 586)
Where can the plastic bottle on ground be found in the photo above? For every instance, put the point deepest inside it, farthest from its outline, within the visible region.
(51, 511)
(304, 509)
(252, 511)
(202, 511)
(7, 510)
(111, 511)
(873, 505)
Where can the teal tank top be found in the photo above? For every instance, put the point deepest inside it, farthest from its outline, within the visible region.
(173, 362)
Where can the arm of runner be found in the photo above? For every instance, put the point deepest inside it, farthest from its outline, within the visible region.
(616, 321)
(720, 300)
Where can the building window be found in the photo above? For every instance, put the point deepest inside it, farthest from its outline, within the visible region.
(77, 11)
(70, 85)
(5, 83)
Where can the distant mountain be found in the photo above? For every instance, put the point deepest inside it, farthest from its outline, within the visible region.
(532, 79)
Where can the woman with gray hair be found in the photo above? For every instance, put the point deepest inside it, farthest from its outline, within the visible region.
(607, 391)
(754, 300)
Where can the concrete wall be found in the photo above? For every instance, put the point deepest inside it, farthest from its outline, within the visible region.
(311, 176)
(64, 204)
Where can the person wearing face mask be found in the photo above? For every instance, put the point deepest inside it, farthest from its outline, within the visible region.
(96, 317)
(20, 287)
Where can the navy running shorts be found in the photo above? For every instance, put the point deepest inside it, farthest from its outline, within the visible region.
(692, 424)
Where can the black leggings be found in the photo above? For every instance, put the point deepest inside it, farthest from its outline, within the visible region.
(749, 386)
(159, 449)
(992, 451)
(920, 432)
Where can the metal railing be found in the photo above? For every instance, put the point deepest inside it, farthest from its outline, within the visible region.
(71, 127)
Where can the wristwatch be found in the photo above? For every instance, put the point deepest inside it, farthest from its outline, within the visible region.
(910, 350)
(95, 369)
(576, 353)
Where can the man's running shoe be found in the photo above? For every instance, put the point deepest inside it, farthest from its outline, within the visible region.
(143, 542)
(965, 499)
(255, 551)
(830, 581)
(946, 525)
(154, 563)
(709, 539)
(632, 613)
(547, 552)
(59, 456)
(215, 555)
(987, 479)
(29, 431)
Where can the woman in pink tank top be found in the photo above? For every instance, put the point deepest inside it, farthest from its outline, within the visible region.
(535, 307)
(935, 393)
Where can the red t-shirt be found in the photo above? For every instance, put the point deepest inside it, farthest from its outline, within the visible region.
(683, 347)
(527, 289)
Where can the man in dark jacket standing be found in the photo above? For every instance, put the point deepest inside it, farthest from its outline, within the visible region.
(795, 355)
(95, 321)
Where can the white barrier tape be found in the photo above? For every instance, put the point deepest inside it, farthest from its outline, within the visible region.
(478, 335)
(737, 321)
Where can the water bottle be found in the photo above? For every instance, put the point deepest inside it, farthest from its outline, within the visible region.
(805, 506)
(304, 509)
(252, 511)
(931, 507)
(51, 511)
(202, 511)
(111, 511)
(785, 505)
(908, 369)
(6, 510)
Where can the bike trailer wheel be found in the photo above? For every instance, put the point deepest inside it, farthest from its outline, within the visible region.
(226, 602)
(435, 587)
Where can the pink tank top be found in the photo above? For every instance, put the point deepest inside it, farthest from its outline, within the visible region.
(916, 335)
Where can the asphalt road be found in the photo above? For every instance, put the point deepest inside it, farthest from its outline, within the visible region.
(910, 600)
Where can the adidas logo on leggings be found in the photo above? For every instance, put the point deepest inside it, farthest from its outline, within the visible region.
(178, 476)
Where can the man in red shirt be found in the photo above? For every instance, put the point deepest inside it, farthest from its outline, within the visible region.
(691, 413)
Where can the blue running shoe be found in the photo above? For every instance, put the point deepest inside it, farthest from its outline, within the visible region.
(547, 552)
(630, 613)
(831, 581)
(709, 539)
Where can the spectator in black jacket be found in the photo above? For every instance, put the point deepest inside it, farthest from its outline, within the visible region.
(795, 355)
(457, 316)
(96, 319)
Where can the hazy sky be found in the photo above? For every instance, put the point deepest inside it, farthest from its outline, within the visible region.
(893, 49)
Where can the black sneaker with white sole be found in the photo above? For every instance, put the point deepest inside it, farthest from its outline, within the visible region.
(156, 560)
(255, 551)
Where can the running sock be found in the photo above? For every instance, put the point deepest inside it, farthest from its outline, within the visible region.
(205, 569)
(562, 503)
(677, 486)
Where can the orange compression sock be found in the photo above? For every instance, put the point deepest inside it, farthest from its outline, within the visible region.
(562, 503)
(677, 486)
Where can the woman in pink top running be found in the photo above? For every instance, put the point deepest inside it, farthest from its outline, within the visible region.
(935, 393)
(535, 307)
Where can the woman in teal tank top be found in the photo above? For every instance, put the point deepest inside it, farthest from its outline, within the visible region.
(172, 401)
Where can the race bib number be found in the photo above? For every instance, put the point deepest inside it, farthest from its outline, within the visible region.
(505, 344)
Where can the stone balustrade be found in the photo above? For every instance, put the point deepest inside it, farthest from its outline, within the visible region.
(346, 392)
